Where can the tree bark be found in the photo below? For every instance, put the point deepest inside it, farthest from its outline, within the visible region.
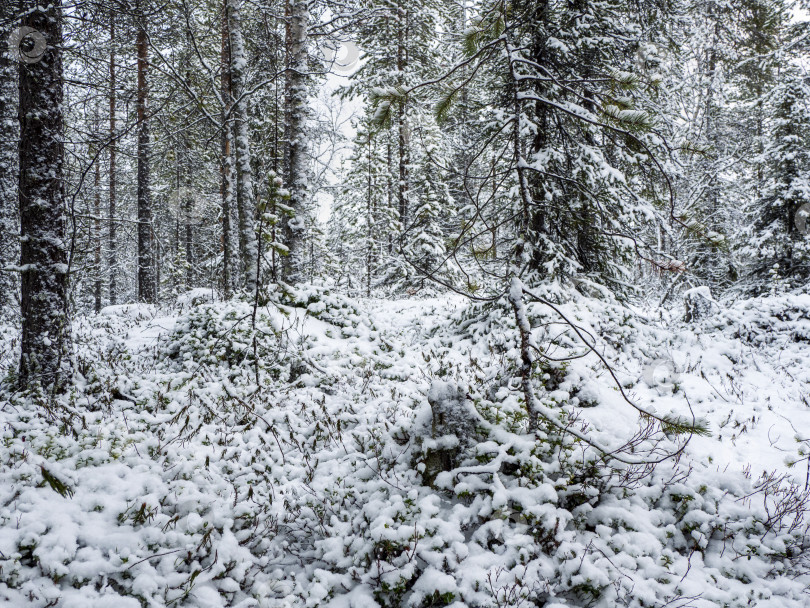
(187, 201)
(9, 153)
(245, 197)
(188, 218)
(402, 119)
(147, 281)
(295, 124)
(112, 260)
(46, 357)
(227, 177)
(96, 226)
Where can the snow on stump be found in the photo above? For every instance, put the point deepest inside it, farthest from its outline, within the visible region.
(698, 303)
(453, 428)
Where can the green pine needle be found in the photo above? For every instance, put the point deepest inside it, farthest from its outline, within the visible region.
(675, 425)
(445, 103)
(56, 485)
(625, 80)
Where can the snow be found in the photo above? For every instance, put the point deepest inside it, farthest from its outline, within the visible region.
(202, 473)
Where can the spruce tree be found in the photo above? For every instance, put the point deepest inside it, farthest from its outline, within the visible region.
(400, 50)
(362, 222)
(569, 139)
(779, 242)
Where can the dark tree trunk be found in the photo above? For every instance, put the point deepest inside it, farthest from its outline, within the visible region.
(96, 230)
(188, 198)
(147, 281)
(46, 337)
(226, 168)
(188, 210)
(113, 258)
(403, 130)
(389, 163)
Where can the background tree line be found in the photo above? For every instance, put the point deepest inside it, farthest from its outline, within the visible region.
(625, 148)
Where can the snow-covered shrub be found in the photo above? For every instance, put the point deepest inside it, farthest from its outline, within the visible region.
(196, 485)
(768, 319)
(227, 338)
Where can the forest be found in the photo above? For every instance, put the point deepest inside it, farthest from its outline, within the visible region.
(404, 303)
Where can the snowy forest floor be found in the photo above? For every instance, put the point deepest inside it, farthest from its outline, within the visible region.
(201, 461)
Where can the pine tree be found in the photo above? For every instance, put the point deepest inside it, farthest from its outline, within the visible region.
(697, 121)
(112, 244)
(424, 239)
(401, 49)
(230, 248)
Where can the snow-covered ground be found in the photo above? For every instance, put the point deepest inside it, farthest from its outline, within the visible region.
(210, 463)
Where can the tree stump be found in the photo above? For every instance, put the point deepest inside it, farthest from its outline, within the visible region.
(698, 303)
(453, 428)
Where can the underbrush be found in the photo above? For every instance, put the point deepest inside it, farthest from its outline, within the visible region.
(295, 458)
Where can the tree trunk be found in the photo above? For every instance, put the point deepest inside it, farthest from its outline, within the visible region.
(147, 282)
(9, 152)
(402, 120)
(245, 197)
(188, 212)
(112, 259)
(295, 124)
(226, 168)
(96, 227)
(46, 336)
(187, 202)
(389, 162)
(369, 221)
